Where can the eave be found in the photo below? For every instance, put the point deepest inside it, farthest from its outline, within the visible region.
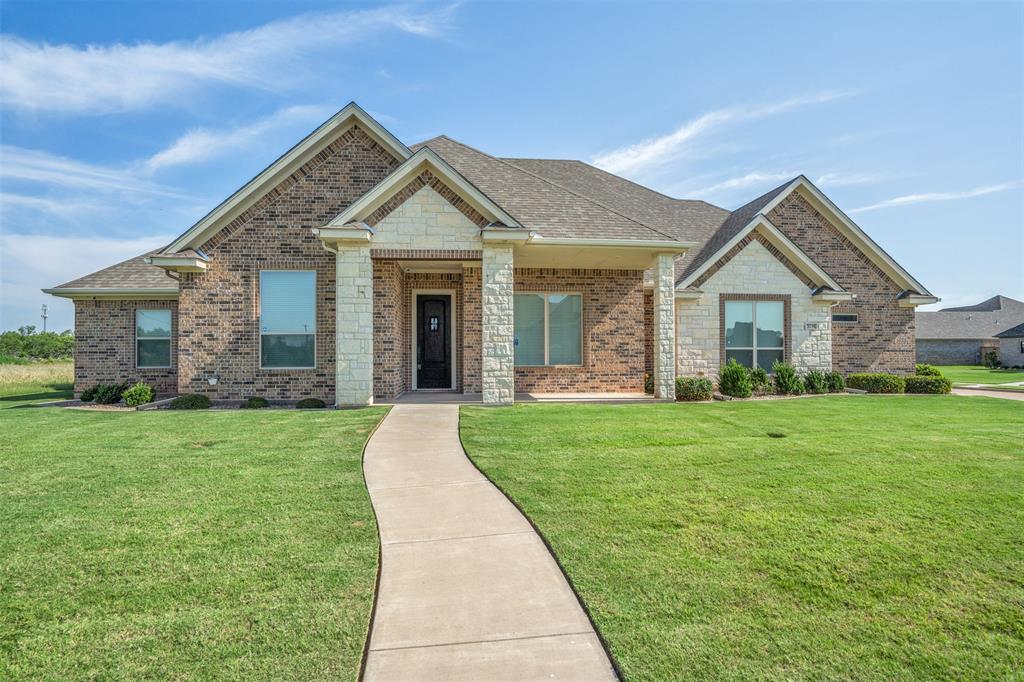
(161, 293)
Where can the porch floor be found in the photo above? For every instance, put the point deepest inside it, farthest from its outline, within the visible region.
(449, 397)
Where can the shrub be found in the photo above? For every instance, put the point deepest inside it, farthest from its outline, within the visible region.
(734, 380)
(89, 394)
(759, 380)
(649, 384)
(991, 359)
(922, 370)
(190, 402)
(693, 388)
(310, 404)
(835, 382)
(255, 403)
(139, 394)
(108, 394)
(876, 382)
(928, 384)
(786, 380)
(815, 382)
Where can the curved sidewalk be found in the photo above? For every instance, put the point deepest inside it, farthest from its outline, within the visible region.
(468, 591)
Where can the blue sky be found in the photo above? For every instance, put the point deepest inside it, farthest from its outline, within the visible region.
(121, 124)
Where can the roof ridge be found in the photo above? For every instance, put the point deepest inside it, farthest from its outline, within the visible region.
(576, 194)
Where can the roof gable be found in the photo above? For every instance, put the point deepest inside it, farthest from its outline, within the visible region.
(761, 229)
(289, 162)
(424, 168)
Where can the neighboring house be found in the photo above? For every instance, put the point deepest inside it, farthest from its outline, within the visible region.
(1011, 346)
(961, 336)
(355, 267)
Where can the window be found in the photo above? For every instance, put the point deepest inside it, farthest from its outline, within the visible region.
(754, 332)
(844, 317)
(287, 319)
(152, 338)
(548, 329)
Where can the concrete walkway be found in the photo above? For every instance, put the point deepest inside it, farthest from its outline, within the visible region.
(1006, 395)
(468, 591)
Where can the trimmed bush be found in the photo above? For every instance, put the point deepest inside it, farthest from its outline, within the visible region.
(734, 380)
(255, 403)
(815, 382)
(190, 402)
(876, 382)
(786, 380)
(89, 394)
(760, 382)
(310, 404)
(835, 382)
(649, 384)
(923, 370)
(991, 359)
(693, 388)
(108, 394)
(139, 394)
(928, 384)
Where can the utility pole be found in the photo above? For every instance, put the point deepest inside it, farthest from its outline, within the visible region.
(44, 316)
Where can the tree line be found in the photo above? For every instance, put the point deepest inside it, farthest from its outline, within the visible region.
(29, 344)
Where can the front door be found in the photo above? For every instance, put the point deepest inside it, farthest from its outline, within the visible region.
(433, 341)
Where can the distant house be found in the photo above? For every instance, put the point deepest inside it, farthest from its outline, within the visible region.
(1011, 346)
(960, 336)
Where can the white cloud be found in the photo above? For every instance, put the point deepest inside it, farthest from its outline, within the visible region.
(30, 262)
(106, 78)
(749, 180)
(848, 179)
(931, 197)
(31, 165)
(636, 158)
(202, 144)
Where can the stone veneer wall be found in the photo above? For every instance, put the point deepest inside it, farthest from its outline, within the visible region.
(664, 327)
(219, 309)
(882, 339)
(752, 271)
(105, 345)
(497, 378)
(354, 307)
(613, 331)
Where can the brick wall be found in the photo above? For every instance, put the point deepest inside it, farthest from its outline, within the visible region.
(613, 331)
(219, 334)
(472, 334)
(882, 340)
(389, 348)
(105, 345)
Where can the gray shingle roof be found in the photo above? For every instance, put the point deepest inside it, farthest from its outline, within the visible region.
(133, 273)
(981, 321)
(538, 203)
(1012, 332)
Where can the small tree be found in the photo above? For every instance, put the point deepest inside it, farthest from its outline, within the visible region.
(734, 380)
(991, 359)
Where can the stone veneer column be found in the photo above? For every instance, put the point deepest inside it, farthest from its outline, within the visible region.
(664, 326)
(497, 333)
(354, 325)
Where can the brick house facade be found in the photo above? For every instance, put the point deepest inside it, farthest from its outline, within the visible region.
(380, 229)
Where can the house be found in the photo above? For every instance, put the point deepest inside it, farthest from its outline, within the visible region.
(355, 267)
(961, 336)
(1011, 346)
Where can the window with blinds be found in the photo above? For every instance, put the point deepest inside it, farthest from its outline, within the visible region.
(287, 319)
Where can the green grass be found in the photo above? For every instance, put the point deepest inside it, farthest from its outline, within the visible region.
(169, 545)
(880, 538)
(976, 374)
(22, 383)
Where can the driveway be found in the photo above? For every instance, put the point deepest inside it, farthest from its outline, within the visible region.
(468, 590)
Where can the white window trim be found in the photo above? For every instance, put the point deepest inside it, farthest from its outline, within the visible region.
(414, 318)
(753, 331)
(547, 330)
(169, 338)
(259, 322)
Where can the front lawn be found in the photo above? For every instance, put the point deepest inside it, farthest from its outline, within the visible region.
(847, 537)
(976, 374)
(183, 545)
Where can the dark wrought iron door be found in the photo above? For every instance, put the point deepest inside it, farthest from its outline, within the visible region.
(433, 342)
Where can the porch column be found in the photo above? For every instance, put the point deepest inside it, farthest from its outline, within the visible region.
(354, 325)
(664, 326)
(497, 327)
